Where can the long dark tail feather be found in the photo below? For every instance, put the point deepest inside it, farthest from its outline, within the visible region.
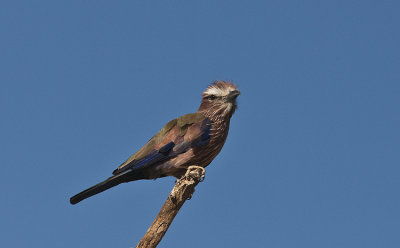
(100, 187)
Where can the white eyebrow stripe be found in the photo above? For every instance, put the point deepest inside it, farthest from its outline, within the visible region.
(216, 91)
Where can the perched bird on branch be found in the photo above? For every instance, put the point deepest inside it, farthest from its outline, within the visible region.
(192, 139)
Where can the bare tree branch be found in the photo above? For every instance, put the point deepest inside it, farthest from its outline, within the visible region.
(183, 190)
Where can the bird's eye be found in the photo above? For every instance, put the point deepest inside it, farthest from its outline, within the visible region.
(212, 97)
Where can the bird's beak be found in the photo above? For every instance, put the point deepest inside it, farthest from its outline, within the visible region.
(233, 94)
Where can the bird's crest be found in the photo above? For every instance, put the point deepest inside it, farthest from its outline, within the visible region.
(220, 89)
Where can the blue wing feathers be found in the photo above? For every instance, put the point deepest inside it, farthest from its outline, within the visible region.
(167, 148)
(168, 151)
(153, 157)
(205, 136)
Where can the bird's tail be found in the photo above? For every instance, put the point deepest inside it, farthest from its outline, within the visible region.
(100, 187)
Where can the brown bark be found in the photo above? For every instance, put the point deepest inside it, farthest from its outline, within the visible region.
(183, 190)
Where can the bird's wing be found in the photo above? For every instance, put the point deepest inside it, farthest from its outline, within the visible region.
(176, 137)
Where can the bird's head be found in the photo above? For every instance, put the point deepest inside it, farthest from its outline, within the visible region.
(219, 100)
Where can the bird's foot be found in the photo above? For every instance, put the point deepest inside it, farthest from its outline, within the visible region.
(196, 173)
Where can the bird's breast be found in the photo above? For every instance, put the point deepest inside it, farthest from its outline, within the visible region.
(205, 154)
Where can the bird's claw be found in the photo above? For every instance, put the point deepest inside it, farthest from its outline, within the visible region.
(195, 173)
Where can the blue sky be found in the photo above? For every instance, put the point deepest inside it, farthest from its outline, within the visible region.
(312, 158)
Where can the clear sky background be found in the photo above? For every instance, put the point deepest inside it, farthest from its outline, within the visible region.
(312, 158)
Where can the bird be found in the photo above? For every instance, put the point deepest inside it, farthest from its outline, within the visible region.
(192, 139)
